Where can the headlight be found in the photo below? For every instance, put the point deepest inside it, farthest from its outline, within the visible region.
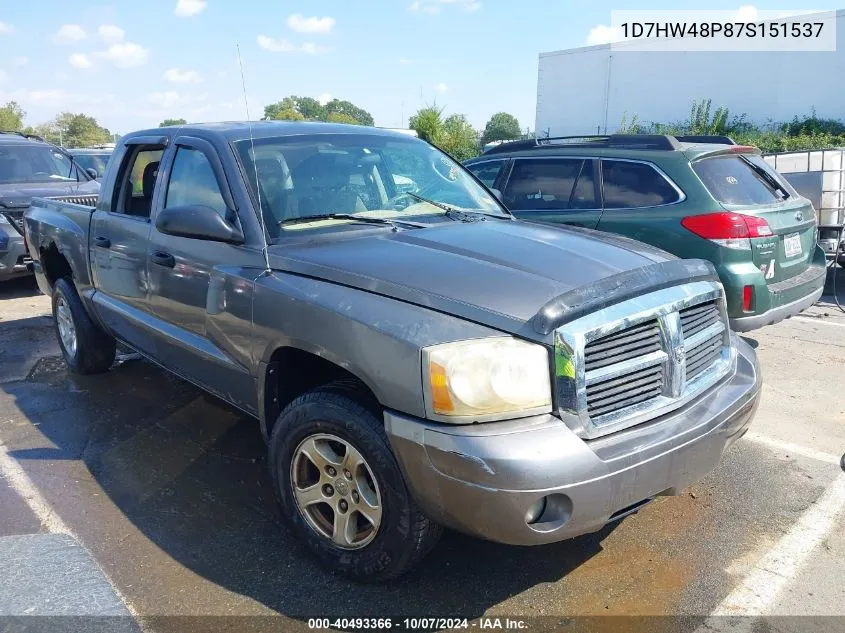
(485, 379)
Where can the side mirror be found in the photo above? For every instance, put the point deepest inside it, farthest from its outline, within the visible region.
(498, 194)
(92, 172)
(197, 222)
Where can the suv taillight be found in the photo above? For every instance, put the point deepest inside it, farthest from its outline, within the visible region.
(732, 230)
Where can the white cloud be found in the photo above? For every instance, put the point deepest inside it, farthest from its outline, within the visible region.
(69, 33)
(441, 88)
(275, 45)
(301, 24)
(80, 60)
(324, 98)
(404, 61)
(3, 76)
(310, 48)
(746, 13)
(21, 61)
(111, 33)
(167, 99)
(6, 29)
(188, 8)
(435, 6)
(180, 76)
(124, 55)
(282, 45)
(55, 98)
(603, 34)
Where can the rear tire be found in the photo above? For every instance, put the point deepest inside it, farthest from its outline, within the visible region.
(385, 533)
(86, 347)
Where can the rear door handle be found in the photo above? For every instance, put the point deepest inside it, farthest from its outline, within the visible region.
(164, 259)
(102, 242)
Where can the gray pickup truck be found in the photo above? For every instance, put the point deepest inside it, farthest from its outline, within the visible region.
(415, 356)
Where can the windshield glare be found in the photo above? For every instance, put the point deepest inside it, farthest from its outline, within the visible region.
(36, 163)
(92, 161)
(359, 174)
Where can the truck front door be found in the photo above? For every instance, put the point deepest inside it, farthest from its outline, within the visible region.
(201, 290)
(119, 235)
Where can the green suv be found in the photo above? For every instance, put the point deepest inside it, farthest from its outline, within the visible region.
(700, 197)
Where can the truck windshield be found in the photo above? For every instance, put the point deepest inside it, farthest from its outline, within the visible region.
(34, 163)
(365, 174)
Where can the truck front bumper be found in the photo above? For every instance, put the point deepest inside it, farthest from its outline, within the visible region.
(13, 256)
(533, 481)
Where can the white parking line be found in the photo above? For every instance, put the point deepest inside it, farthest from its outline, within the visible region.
(761, 588)
(20, 482)
(818, 321)
(793, 449)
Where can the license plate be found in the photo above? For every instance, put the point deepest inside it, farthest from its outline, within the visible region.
(792, 245)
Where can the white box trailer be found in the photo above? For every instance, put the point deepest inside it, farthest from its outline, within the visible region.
(820, 177)
(588, 90)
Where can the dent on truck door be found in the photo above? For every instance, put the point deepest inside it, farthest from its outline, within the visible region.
(200, 293)
(118, 243)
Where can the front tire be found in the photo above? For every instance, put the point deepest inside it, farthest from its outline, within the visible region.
(86, 347)
(341, 490)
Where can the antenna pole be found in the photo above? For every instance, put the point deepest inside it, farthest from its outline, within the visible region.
(254, 164)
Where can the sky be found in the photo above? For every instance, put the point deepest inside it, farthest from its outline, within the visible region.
(133, 64)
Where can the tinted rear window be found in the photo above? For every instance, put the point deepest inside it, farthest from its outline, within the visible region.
(629, 185)
(550, 185)
(736, 180)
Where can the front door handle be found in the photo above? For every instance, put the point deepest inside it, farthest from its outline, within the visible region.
(102, 242)
(164, 259)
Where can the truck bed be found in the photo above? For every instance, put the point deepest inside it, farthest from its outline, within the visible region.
(61, 225)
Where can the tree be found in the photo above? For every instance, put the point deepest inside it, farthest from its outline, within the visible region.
(501, 127)
(172, 122)
(428, 124)
(458, 138)
(11, 117)
(75, 130)
(350, 110)
(288, 114)
(312, 110)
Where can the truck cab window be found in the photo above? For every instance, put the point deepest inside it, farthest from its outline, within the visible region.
(192, 181)
(136, 187)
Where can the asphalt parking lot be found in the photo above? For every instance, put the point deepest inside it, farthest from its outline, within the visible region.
(160, 493)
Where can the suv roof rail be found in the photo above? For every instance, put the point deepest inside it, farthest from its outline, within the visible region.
(35, 137)
(706, 138)
(618, 141)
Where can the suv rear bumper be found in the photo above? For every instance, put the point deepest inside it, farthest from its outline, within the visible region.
(482, 479)
(775, 315)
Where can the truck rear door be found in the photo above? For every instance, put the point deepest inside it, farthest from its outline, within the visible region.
(119, 239)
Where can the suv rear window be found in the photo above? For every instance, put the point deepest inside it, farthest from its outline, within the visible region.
(630, 185)
(740, 180)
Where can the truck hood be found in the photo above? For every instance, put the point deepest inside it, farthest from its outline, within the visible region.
(497, 272)
(19, 195)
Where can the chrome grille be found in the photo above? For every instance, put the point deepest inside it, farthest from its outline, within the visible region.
(16, 218)
(616, 393)
(697, 318)
(703, 355)
(89, 200)
(631, 342)
(641, 358)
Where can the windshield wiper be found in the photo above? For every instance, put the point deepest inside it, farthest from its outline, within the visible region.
(451, 212)
(769, 179)
(351, 216)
